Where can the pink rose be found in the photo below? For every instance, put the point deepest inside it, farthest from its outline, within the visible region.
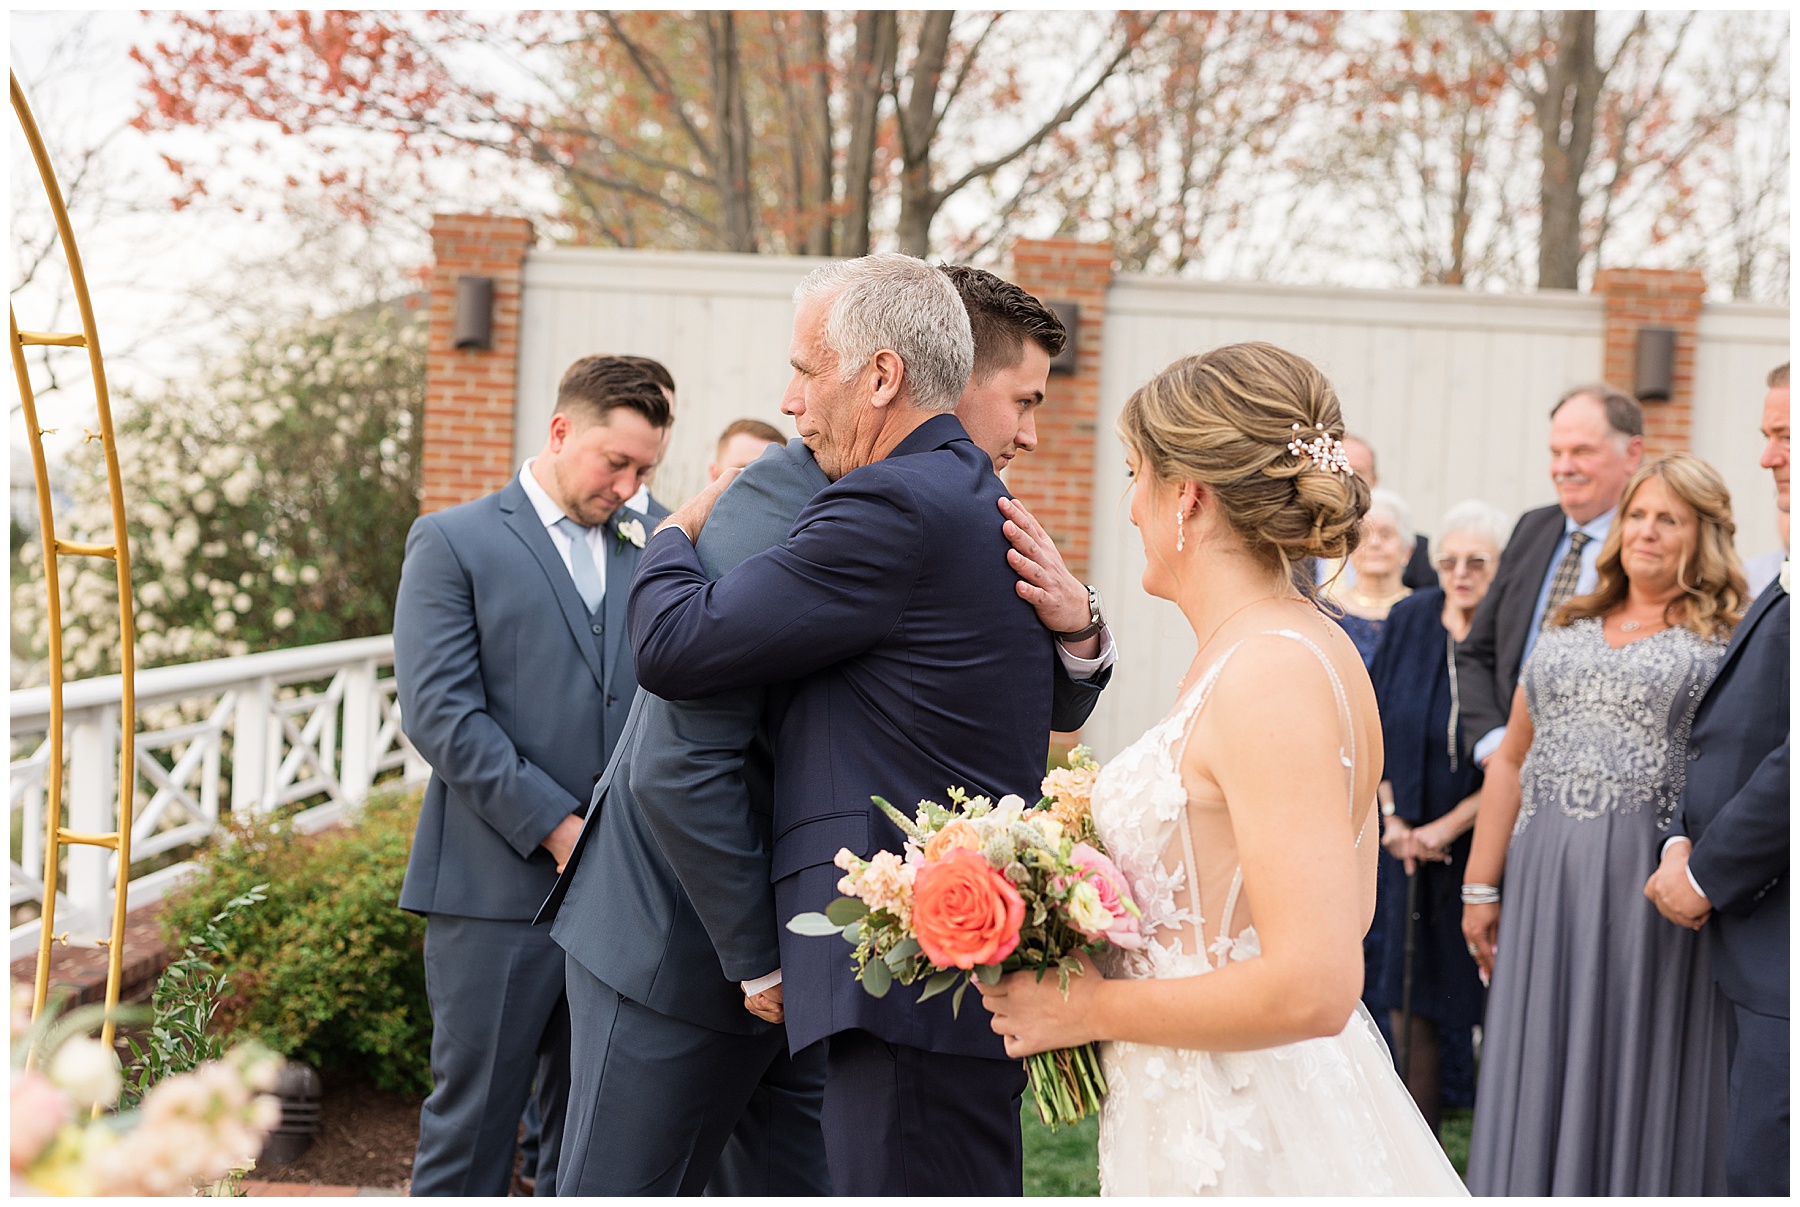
(1105, 877)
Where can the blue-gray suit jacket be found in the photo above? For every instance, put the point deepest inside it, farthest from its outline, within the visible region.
(513, 693)
(1735, 808)
(667, 897)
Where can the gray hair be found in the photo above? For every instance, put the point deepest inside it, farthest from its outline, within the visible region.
(896, 302)
(1481, 519)
(1382, 499)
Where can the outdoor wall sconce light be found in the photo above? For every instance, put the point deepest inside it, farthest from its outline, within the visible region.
(1070, 314)
(1654, 379)
(473, 322)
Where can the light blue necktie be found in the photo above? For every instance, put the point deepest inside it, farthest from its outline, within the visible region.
(581, 564)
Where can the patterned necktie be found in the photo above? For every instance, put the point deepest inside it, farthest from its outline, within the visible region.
(1568, 572)
(581, 564)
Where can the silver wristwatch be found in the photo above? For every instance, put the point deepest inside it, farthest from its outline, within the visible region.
(1095, 623)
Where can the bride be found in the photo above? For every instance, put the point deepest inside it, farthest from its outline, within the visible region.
(1238, 1056)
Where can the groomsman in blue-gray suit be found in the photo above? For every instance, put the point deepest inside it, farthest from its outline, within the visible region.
(515, 678)
(1724, 868)
(679, 1059)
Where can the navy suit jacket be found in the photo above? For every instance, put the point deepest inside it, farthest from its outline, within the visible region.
(1488, 659)
(1735, 808)
(513, 693)
(911, 665)
(666, 897)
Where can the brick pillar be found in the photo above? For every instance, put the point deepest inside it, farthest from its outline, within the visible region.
(470, 392)
(1057, 481)
(1654, 297)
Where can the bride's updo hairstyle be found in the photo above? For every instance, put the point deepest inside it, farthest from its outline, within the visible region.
(1225, 418)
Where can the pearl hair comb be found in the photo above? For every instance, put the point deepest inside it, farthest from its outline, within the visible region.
(1326, 451)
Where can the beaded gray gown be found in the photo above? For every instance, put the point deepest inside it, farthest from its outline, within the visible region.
(1603, 1054)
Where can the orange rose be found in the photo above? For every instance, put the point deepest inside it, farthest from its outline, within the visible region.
(958, 834)
(964, 912)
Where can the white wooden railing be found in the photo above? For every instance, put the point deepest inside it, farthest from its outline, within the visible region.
(315, 723)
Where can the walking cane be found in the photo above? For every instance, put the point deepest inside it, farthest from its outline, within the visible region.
(1403, 1045)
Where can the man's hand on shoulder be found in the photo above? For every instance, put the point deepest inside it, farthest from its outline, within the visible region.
(691, 516)
(561, 842)
(1061, 599)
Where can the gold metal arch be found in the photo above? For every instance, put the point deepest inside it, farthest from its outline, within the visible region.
(56, 836)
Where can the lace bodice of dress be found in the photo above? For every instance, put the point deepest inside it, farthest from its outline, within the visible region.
(1610, 726)
(1181, 859)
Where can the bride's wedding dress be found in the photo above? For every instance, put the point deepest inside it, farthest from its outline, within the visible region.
(1323, 1116)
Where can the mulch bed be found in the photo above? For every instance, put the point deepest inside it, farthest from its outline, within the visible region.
(366, 1138)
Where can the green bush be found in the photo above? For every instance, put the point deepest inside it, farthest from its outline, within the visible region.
(328, 970)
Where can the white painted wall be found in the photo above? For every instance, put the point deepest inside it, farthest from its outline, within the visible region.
(1739, 344)
(719, 322)
(1452, 388)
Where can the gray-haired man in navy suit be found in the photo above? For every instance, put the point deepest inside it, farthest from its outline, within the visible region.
(679, 1058)
(1724, 866)
(514, 681)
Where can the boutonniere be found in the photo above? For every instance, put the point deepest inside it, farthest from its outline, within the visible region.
(631, 530)
(1786, 590)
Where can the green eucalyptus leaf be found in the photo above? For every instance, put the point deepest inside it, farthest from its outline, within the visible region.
(876, 978)
(989, 974)
(938, 983)
(846, 910)
(957, 997)
(813, 924)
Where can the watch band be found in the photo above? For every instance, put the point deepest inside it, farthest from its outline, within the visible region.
(1095, 623)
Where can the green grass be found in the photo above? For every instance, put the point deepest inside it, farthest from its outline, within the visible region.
(1060, 1161)
(1456, 1126)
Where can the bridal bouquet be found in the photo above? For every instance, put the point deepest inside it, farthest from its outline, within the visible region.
(985, 888)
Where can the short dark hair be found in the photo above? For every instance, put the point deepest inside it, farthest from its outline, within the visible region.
(1778, 376)
(1001, 318)
(1623, 414)
(594, 386)
(750, 427)
(658, 372)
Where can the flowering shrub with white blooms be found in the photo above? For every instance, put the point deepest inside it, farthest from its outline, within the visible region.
(266, 508)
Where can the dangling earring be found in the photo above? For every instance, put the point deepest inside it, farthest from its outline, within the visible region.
(1180, 533)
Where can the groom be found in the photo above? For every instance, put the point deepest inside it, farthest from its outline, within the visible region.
(907, 663)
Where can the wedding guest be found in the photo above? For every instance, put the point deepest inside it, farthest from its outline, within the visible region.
(1761, 570)
(742, 441)
(1380, 556)
(1604, 1049)
(514, 678)
(1724, 867)
(1419, 572)
(1596, 443)
(1429, 794)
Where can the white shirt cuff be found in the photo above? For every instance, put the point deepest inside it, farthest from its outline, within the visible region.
(1490, 742)
(1692, 883)
(1087, 668)
(752, 988)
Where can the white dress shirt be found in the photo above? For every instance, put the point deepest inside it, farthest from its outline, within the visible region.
(550, 512)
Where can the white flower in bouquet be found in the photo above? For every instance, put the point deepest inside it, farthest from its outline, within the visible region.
(1087, 911)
